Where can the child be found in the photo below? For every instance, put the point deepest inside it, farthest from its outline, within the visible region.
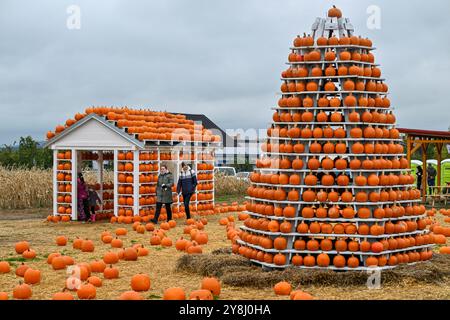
(93, 198)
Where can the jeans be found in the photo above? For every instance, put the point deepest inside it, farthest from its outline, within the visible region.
(431, 183)
(186, 201)
(158, 210)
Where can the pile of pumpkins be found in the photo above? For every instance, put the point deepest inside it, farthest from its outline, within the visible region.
(146, 124)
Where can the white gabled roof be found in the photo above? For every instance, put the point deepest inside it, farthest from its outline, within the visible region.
(94, 132)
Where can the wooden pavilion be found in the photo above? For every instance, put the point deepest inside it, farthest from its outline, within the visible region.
(422, 139)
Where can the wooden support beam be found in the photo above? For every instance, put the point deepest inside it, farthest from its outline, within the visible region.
(424, 175)
(416, 147)
(136, 204)
(408, 151)
(433, 141)
(439, 165)
(100, 177)
(76, 168)
(55, 182)
(115, 180)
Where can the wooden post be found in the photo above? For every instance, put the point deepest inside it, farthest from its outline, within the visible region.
(115, 180)
(424, 175)
(136, 171)
(408, 152)
(100, 178)
(439, 165)
(177, 172)
(76, 168)
(197, 153)
(55, 182)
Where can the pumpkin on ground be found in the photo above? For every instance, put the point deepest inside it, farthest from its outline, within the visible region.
(61, 240)
(63, 295)
(22, 291)
(5, 267)
(86, 292)
(131, 295)
(201, 295)
(282, 288)
(140, 282)
(211, 284)
(174, 293)
(32, 276)
(111, 272)
(21, 247)
(302, 296)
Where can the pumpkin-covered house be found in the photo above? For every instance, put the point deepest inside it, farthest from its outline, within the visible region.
(124, 148)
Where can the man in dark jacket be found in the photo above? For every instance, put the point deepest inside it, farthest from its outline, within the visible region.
(419, 175)
(164, 193)
(186, 186)
(431, 175)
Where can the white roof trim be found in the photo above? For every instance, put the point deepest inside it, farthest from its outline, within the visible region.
(94, 116)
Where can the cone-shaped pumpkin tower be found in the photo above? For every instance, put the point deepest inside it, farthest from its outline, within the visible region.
(332, 188)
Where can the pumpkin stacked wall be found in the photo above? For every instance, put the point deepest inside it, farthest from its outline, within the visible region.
(332, 188)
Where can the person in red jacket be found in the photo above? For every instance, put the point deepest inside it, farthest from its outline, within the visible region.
(82, 197)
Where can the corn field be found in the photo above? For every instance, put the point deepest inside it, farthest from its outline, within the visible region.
(32, 188)
(25, 188)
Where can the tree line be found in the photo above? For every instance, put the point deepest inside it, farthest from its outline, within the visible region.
(27, 153)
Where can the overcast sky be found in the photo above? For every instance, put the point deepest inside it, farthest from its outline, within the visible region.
(222, 58)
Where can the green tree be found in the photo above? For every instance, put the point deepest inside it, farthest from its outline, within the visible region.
(8, 157)
(26, 154)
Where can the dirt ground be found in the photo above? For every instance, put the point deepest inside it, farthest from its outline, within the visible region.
(159, 264)
(24, 214)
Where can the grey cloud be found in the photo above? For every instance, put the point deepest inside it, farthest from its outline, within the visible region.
(221, 58)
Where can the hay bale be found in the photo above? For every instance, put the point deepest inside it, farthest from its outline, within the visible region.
(435, 271)
(252, 278)
(298, 277)
(442, 263)
(222, 251)
(209, 264)
(232, 269)
(237, 271)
